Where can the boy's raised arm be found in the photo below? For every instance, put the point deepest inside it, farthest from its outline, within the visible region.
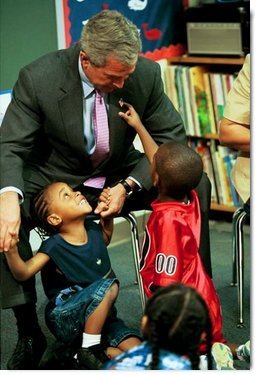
(133, 119)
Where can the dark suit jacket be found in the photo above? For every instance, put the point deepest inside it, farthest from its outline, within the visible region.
(42, 132)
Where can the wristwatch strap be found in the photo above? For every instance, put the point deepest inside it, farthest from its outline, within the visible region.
(127, 187)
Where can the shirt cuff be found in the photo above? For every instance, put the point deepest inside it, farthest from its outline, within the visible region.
(16, 190)
(137, 183)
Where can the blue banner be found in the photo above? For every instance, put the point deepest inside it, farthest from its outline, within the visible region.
(157, 20)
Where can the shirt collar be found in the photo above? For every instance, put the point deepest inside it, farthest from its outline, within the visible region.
(88, 88)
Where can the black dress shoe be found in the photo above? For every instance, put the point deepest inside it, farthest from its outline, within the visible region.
(92, 358)
(58, 356)
(28, 352)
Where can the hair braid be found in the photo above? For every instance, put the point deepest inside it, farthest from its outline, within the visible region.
(42, 211)
(208, 342)
(177, 318)
(155, 345)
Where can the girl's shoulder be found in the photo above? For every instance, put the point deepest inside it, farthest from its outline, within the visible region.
(49, 243)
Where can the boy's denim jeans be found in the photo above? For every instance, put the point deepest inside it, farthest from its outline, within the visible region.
(66, 320)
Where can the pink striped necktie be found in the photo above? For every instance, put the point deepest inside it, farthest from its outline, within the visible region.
(101, 131)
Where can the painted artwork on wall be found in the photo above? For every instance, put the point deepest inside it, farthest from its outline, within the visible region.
(159, 22)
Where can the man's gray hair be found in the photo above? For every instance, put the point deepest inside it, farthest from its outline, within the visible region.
(110, 34)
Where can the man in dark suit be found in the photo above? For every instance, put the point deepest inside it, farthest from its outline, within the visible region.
(47, 135)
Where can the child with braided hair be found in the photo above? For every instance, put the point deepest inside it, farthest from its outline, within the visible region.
(175, 321)
(77, 277)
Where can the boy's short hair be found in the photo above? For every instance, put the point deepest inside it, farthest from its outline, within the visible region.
(179, 169)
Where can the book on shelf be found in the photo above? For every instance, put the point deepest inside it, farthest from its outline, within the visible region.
(171, 85)
(163, 63)
(229, 158)
(218, 96)
(212, 150)
(181, 98)
(210, 106)
(201, 147)
(227, 83)
(196, 125)
(225, 86)
(197, 81)
(230, 161)
(226, 195)
(187, 102)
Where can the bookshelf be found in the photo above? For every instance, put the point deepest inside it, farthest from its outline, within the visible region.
(222, 207)
(185, 59)
(198, 86)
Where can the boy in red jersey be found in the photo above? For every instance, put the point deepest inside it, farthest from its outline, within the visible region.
(170, 251)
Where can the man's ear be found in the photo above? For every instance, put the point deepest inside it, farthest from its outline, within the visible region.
(54, 219)
(84, 59)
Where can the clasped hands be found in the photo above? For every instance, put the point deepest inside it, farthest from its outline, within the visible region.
(111, 201)
(9, 220)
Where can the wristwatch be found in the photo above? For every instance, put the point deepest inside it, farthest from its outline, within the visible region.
(127, 187)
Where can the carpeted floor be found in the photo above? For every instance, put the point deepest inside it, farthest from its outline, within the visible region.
(129, 305)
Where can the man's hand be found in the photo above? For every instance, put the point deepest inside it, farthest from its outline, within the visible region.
(9, 219)
(111, 201)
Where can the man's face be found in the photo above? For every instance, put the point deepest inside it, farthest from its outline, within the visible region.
(108, 78)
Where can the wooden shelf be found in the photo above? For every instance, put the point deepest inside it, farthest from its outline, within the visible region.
(185, 59)
(223, 207)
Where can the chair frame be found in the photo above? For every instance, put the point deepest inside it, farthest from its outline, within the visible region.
(130, 217)
(238, 260)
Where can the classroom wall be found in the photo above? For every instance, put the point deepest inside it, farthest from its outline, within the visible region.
(27, 30)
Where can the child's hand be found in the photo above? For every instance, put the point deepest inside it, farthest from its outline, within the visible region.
(130, 116)
(105, 195)
(13, 244)
(104, 201)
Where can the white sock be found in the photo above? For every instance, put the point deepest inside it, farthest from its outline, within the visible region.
(90, 340)
(203, 363)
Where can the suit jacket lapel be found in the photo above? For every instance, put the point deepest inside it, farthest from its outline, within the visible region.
(70, 105)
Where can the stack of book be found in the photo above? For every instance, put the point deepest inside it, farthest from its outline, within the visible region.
(198, 94)
(218, 162)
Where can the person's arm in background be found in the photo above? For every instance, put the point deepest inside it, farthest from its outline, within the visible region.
(234, 135)
(234, 130)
